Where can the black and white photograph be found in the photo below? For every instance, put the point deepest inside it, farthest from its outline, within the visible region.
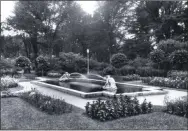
(94, 65)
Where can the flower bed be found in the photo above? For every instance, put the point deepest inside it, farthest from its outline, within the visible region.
(178, 74)
(46, 103)
(177, 107)
(166, 82)
(122, 106)
(8, 82)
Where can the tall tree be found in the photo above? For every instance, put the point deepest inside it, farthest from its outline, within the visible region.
(112, 19)
(30, 17)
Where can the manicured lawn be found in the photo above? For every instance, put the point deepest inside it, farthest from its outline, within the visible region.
(18, 114)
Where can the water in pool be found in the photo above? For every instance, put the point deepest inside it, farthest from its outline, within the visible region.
(88, 86)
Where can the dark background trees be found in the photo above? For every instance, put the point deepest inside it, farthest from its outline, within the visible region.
(132, 28)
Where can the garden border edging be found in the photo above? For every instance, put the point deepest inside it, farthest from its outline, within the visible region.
(98, 94)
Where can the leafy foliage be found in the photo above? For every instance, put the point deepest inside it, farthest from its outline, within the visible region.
(8, 82)
(43, 67)
(169, 46)
(140, 62)
(71, 62)
(179, 58)
(22, 61)
(127, 70)
(46, 103)
(157, 56)
(131, 77)
(167, 82)
(177, 107)
(180, 74)
(149, 71)
(118, 60)
(122, 106)
(110, 70)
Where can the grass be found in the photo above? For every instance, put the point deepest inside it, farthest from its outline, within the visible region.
(18, 114)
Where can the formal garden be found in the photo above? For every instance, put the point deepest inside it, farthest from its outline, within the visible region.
(151, 78)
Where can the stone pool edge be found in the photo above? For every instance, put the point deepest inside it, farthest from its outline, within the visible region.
(101, 93)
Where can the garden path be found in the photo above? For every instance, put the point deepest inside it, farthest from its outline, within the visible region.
(74, 100)
(81, 102)
(159, 99)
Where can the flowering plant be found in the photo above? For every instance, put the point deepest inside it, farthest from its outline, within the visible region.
(167, 82)
(122, 106)
(177, 107)
(46, 103)
(8, 82)
(131, 77)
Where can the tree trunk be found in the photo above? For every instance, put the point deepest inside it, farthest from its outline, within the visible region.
(35, 48)
(26, 48)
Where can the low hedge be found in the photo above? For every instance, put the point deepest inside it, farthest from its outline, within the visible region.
(122, 106)
(127, 70)
(177, 74)
(148, 71)
(110, 70)
(166, 82)
(8, 82)
(131, 77)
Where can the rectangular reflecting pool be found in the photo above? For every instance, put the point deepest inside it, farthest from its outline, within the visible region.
(90, 86)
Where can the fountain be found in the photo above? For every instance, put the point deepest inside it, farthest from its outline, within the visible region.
(92, 85)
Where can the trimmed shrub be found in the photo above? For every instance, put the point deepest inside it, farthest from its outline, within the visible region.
(169, 46)
(94, 65)
(102, 66)
(157, 56)
(43, 67)
(139, 62)
(24, 63)
(53, 64)
(111, 109)
(67, 61)
(166, 82)
(6, 65)
(177, 107)
(8, 82)
(110, 70)
(179, 59)
(46, 103)
(118, 60)
(148, 71)
(127, 70)
(71, 62)
(131, 77)
(178, 74)
(80, 65)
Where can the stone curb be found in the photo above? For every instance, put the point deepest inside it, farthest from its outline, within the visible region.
(101, 93)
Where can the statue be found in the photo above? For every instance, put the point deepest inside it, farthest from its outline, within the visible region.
(65, 77)
(110, 84)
